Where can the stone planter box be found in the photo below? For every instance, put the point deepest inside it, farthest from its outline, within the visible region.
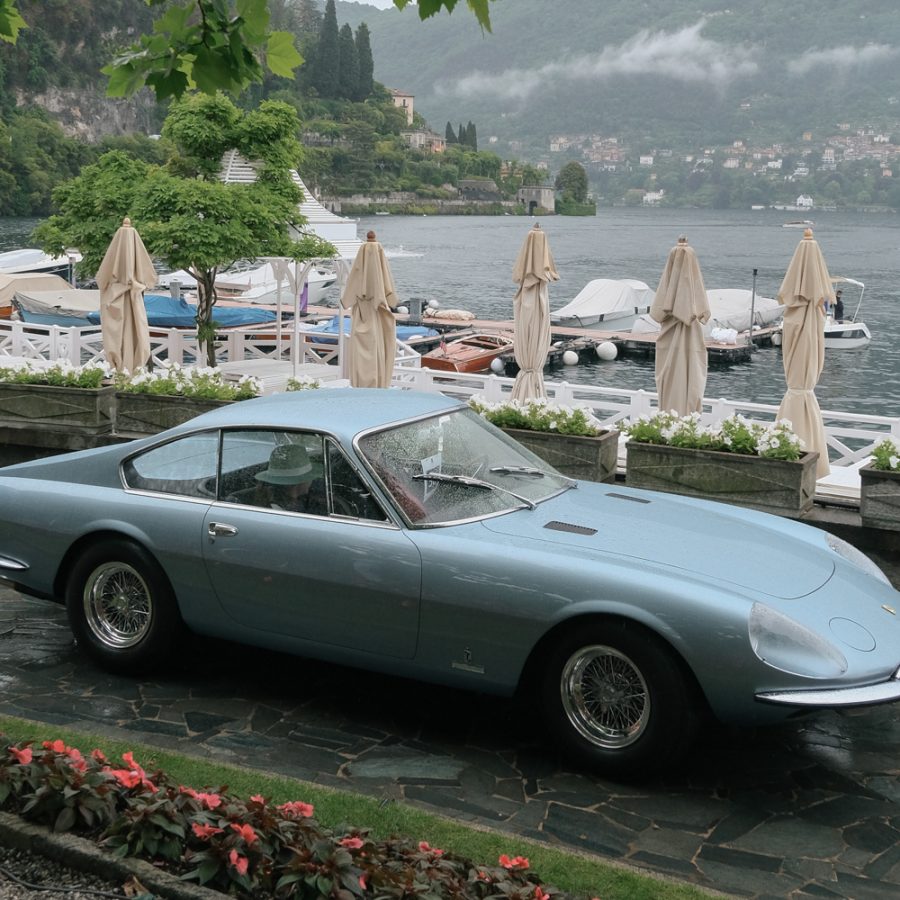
(879, 498)
(86, 410)
(152, 413)
(772, 485)
(586, 458)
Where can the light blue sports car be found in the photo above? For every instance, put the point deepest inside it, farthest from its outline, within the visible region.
(399, 531)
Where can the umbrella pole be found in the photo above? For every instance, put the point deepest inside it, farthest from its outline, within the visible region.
(299, 281)
(752, 309)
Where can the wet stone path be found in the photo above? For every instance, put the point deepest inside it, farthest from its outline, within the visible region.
(808, 809)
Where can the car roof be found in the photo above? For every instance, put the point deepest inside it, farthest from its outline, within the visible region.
(342, 411)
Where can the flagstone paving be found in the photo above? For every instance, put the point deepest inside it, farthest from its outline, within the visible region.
(807, 809)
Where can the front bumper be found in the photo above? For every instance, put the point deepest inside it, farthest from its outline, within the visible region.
(865, 695)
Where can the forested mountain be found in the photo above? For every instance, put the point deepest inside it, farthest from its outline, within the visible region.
(656, 73)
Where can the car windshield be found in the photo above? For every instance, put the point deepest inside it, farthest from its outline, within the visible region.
(456, 466)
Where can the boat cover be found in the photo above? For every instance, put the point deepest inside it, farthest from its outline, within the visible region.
(605, 298)
(404, 332)
(729, 309)
(81, 308)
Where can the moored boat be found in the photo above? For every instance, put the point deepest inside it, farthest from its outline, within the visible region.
(606, 302)
(471, 353)
(31, 261)
(847, 333)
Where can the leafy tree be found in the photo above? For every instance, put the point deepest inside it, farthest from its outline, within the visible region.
(326, 77)
(348, 69)
(471, 136)
(572, 181)
(183, 212)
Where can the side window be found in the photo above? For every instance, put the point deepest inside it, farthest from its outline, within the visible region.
(186, 467)
(273, 469)
(349, 494)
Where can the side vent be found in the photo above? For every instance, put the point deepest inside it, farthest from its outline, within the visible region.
(626, 497)
(572, 529)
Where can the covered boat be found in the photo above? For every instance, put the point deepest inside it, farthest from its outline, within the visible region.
(328, 330)
(606, 302)
(81, 309)
(730, 310)
(26, 281)
(30, 260)
(472, 353)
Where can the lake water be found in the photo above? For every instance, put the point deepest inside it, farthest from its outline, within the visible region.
(466, 262)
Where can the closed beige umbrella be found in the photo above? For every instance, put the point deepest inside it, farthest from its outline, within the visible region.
(533, 271)
(681, 307)
(370, 296)
(804, 292)
(125, 273)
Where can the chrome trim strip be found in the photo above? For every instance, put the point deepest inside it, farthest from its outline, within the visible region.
(865, 695)
(14, 565)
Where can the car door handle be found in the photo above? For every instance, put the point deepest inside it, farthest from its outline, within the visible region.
(217, 529)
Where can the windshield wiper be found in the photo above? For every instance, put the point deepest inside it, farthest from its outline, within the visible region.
(517, 470)
(468, 481)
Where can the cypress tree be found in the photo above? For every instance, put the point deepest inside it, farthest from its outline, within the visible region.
(471, 136)
(461, 134)
(366, 63)
(327, 73)
(348, 77)
(450, 134)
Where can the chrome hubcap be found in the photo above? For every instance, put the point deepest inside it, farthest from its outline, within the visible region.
(117, 605)
(605, 697)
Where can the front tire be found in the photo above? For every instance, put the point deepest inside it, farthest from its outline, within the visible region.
(618, 699)
(121, 607)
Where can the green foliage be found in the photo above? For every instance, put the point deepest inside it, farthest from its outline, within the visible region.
(60, 374)
(365, 82)
(537, 415)
(11, 21)
(734, 434)
(325, 75)
(886, 456)
(348, 59)
(188, 381)
(220, 48)
(572, 181)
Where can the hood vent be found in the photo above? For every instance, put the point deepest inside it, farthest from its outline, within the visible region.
(572, 529)
(626, 497)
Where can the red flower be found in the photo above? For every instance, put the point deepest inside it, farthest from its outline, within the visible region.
(517, 862)
(425, 848)
(55, 746)
(256, 798)
(539, 894)
(210, 801)
(133, 776)
(99, 756)
(245, 831)
(205, 832)
(23, 756)
(74, 753)
(190, 792)
(239, 862)
(351, 843)
(362, 881)
(297, 808)
(79, 765)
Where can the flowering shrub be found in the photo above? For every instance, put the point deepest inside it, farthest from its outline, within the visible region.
(240, 847)
(303, 384)
(537, 415)
(60, 374)
(886, 456)
(732, 435)
(189, 381)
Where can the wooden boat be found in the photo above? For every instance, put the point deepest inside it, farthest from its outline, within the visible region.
(472, 353)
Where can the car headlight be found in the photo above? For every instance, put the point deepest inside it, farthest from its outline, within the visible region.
(855, 557)
(788, 646)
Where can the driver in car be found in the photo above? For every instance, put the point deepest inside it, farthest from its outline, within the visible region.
(292, 482)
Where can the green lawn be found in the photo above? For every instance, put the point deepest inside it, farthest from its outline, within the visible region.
(576, 873)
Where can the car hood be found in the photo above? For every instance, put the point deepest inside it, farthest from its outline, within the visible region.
(753, 550)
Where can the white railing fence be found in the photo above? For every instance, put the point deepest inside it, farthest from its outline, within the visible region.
(850, 436)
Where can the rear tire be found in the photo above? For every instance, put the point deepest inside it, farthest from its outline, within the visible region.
(121, 607)
(617, 698)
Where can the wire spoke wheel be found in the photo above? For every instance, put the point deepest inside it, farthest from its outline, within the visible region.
(118, 605)
(605, 696)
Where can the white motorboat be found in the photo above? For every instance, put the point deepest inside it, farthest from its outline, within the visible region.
(256, 284)
(799, 223)
(32, 261)
(847, 334)
(609, 303)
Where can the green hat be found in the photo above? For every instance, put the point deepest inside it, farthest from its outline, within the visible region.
(288, 464)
